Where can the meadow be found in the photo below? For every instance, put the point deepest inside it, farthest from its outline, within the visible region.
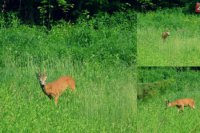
(152, 112)
(99, 54)
(181, 48)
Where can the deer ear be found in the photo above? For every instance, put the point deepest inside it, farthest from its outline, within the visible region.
(37, 75)
(166, 100)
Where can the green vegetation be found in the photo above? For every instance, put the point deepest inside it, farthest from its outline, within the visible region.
(95, 43)
(151, 107)
(47, 12)
(181, 47)
(99, 54)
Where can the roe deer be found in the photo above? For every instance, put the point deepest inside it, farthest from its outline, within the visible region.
(180, 103)
(165, 35)
(55, 88)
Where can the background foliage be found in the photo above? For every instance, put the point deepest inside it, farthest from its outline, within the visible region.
(105, 39)
(48, 11)
(156, 82)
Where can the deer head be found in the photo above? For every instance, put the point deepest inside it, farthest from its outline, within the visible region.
(42, 78)
(167, 103)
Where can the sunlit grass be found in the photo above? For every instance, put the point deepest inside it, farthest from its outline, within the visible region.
(160, 120)
(104, 100)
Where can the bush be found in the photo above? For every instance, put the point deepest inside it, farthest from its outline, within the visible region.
(112, 43)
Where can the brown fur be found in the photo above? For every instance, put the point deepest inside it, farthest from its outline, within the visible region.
(165, 35)
(180, 103)
(57, 87)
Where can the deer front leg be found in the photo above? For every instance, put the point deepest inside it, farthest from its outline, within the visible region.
(56, 99)
(192, 106)
(178, 110)
(182, 107)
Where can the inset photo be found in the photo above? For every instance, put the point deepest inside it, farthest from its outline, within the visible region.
(168, 99)
(68, 66)
(168, 37)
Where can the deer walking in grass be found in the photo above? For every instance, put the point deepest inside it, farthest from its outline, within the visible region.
(181, 103)
(165, 35)
(57, 87)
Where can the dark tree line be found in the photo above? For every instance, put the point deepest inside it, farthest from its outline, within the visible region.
(45, 11)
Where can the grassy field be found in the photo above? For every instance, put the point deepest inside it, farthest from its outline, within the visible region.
(98, 54)
(151, 108)
(181, 47)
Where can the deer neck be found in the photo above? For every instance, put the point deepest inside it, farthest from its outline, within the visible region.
(43, 86)
(171, 104)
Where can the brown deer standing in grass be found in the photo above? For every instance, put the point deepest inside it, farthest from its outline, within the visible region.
(165, 35)
(55, 88)
(180, 103)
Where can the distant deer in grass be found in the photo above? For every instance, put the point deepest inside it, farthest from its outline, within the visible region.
(165, 35)
(180, 103)
(57, 87)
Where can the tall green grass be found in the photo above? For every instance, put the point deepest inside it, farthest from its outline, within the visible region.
(101, 60)
(151, 110)
(104, 101)
(157, 119)
(181, 47)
